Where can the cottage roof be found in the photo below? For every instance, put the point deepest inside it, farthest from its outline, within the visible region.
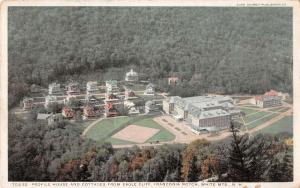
(150, 85)
(91, 83)
(69, 112)
(271, 93)
(54, 85)
(267, 98)
(213, 113)
(73, 84)
(131, 73)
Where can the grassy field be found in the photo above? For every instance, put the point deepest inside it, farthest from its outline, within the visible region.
(248, 110)
(140, 93)
(283, 110)
(261, 121)
(116, 141)
(283, 125)
(279, 109)
(162, 135)
(106, 127)
(275, 109)
(253, 117)
(250, 106)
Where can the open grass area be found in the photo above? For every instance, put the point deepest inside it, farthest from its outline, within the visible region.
(106, 127)
(163, 135)
(283, 125)
(275, 109)
(116, 141)
(248, 111)
(279, 109)
(253, 117)
(141, 93)
(261, 121)
(283, 110)
(244, 104)
(250, 106)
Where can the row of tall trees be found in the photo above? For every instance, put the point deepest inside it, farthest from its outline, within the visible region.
(58, 153)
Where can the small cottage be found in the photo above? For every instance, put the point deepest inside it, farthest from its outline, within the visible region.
(129, 94)
(110, 110)
(27, 103)
(91, 88)
(131, 76)
(89, 111)
(54, 89)
(111, 86)
(150, 89)
(49, 100)
(68, 112)
(73, 88)
(173, 81)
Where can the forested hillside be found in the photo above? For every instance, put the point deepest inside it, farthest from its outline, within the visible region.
(223, 50)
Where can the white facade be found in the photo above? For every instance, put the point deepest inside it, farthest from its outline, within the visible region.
(111, 86)
(27, 103)
(54, 89)
(131, 76)
(150, 90)
(50, 99)
(91, 87)
(73, 88)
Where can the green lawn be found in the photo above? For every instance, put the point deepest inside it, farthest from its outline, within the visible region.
(105, 127)
(250, 106)
(116, 141)
(276, 109)
(283, 125)
(253, 117)
(162, 135)
(139, 93)
(284, 110)
(248, 110)
(261, 121)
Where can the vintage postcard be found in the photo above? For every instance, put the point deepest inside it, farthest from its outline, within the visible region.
(150, 94)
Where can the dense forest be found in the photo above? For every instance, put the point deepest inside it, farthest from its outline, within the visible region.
(58, 153)
(221, 50)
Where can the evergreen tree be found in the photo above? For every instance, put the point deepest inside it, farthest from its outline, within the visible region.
(282, 171)
(247, 158)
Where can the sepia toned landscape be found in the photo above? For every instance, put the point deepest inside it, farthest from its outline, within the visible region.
(150, 94)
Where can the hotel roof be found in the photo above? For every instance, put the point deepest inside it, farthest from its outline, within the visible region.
(204, 106)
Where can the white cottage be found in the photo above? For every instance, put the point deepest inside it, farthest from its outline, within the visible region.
(150, 89)
(131, 76)
(91, 88)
